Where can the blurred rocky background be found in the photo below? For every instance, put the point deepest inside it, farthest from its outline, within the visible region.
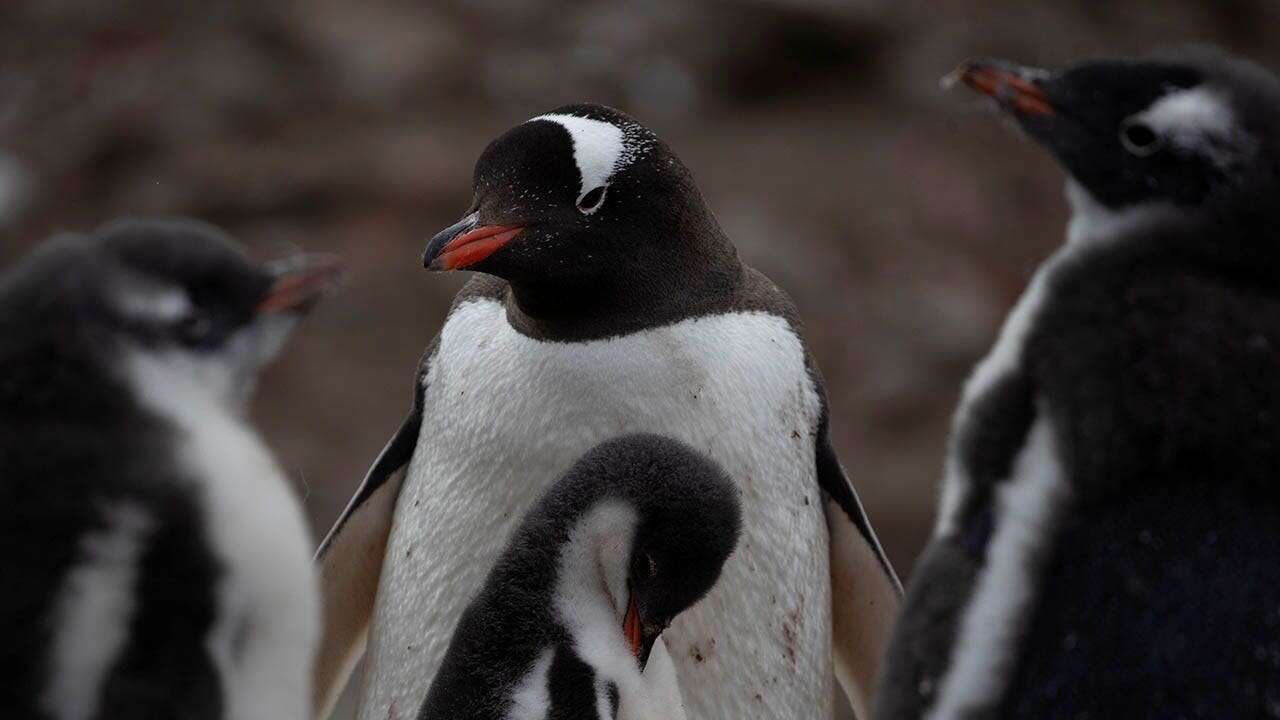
(904, 220)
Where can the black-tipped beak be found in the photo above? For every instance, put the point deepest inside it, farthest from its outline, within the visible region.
(300, 282)
(1018, 89)
(641, 635)
(466, 243)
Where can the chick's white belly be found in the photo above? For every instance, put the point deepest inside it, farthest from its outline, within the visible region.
(505, 416)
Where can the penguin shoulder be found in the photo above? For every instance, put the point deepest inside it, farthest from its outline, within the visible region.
(761, 294)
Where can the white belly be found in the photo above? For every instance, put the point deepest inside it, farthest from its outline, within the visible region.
(506, 415)
(258, 533)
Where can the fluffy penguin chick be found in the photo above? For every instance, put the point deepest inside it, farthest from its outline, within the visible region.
(157, 561)
(1109, 535)
(633, 535)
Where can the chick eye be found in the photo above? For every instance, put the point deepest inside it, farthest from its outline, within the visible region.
(194, 328)
(591, 200)
(1139, 139)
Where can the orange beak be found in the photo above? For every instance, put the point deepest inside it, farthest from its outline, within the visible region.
(300, 282)
(631, 626)
(455, 248)
(1008, 85)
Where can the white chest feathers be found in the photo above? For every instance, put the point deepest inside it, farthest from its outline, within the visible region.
(505, 415)
(259, 536)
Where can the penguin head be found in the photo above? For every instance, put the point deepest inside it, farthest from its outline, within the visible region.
(575, 198)
(687, 524)
(1199, 131)
(675, 560)
(188, 297)
(177, 295)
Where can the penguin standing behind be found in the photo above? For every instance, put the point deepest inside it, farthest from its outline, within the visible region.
(611, 302)
(632, 536)
(157, 563)
(1109, 538)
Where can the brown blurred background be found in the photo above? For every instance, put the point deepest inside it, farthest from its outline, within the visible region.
(903, 220)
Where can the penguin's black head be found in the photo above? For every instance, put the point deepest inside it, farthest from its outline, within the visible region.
(1198, 131)
(688, 524)
(574, 199)
(177, 295)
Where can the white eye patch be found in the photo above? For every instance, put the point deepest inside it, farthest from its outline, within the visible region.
(599, 148)
(1198, 119)
(151, 303)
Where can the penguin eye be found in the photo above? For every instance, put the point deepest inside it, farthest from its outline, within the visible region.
(1139, 139)
(591, 200)
(194, 329)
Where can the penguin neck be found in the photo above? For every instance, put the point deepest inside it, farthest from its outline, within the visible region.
(187, 384)
(1092, 222)
(663, 283)
(1232, 238)
(590, 594)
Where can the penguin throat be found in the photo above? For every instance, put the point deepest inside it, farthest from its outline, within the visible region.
(1091, 221)
(659, 292)
(591, 585)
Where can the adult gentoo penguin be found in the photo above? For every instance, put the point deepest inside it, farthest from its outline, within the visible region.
(157, 563)
(632, 536)
(1109, 535)
(610, 302)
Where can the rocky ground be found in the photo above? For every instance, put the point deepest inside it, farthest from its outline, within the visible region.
(904, 220)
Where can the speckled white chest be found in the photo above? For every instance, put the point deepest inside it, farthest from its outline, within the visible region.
(506, 415)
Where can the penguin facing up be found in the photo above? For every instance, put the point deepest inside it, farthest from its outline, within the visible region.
(610, 302)
(1109, 534)
(157, 562)
(633, 535)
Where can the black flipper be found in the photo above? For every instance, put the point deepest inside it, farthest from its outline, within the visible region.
(835, 483)
(865, 591)
(395, 457)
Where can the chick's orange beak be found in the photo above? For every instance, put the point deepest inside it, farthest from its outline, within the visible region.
(631, 626)
(1013, 86)
(300, 282)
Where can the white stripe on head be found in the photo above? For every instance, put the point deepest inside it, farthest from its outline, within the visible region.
(1199, 120)
(153, 304)
(1197, 110)
(93, 612)
(599, 148)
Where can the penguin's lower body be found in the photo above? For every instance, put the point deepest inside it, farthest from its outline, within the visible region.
(1165, 604)
(1148, 603)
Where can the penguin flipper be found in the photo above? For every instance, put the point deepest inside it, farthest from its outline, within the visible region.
(350, 560)
(865, 591)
